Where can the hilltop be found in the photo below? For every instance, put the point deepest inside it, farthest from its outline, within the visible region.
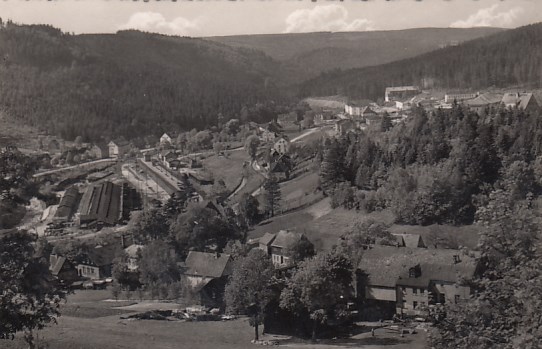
(313, 53)
(505, 59)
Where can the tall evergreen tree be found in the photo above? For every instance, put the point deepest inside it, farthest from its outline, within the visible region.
(272, 195)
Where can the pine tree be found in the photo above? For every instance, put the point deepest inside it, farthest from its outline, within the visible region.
(330, 169)
(272, 195)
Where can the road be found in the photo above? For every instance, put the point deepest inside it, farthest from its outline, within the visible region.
(85, 164)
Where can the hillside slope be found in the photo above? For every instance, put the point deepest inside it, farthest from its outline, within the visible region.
(313, 53)
(506, 59)
(127, 84)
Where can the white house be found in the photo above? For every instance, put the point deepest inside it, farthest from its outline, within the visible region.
(282, 146)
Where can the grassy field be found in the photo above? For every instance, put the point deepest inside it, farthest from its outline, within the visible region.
(100, 328)
(229, 169)
(324, 226)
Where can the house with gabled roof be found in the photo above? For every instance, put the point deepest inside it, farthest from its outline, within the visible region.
(400, 92)
(207, 274)
(410, 240)
(117, 148)
(97, 263)
(281, 244)
(62, 269)
(407, 280)
(525, 101)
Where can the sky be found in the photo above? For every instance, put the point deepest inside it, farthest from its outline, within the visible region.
(226, 17)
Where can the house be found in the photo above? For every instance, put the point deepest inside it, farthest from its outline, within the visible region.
(167, 155)
(207, 274)
(354, 108)
(280, 246)
(118, 148)
(406, 280)
(166, 139)
(343, 126)
(280, 166)
(458, 97)
(62, 269)
(400, 92)
(525, 101)
(323, 116)
(372, 119)
(483, 101)
(99, 150)
(264, 243)
(282, 146)
(267, 135)
(409, 240)
(97, 263)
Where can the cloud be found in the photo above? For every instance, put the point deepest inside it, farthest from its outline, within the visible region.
(488, 17)
(324, 18)
(155, 22)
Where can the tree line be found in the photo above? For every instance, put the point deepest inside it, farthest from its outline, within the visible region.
(436, 167)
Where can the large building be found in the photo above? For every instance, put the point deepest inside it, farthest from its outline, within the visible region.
(101, 204)
(400, 93)
(525, 101)
(67, 206)
(406, 281)
(458, 97)
(118, 148)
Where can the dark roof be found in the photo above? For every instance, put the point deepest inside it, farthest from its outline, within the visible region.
(360, 103)
(430, 272)
(102, 255)
(384, 264)
(56, 263)
(266, 239)
(101, 202)
(67, 203)
(484, 99)
(213, 265)
(520, 100)
(285, 239)
(409, 240)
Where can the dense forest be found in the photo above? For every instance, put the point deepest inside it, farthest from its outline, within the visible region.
(127, 84)
(314, 53)
(504, 59)
(438, 167)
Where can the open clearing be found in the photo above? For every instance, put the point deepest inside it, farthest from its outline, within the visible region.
(97, 327)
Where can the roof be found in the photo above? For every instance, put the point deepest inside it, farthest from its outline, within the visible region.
(520, 100)
(410, 240)
(449, 273)
(360, 103)
(56, 263)
(101, 202)
(384, 264)
(132, 250)
(213, 265)
(120, 142)
(484, 99)
(102, 255)
(67, 203)
(286, 238)
(266, 239)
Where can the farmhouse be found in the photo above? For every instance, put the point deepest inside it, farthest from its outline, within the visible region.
(101, 204)
(525, 101)
(167, 139)
(97, 262)
(207, 274)
(280, 246)
(282, 146)
(355, 108)
(343, 126)
(267, 135)
(118, 148)
(99, 151)
(406, 280)
(400, 92)
(62, 269)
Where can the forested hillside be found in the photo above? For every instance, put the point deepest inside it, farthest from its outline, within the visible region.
(127, 84)
(504, 59)
(437, 168)
(314, 53)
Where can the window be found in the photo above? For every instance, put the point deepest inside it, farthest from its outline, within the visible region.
(414, 290)
(415, 304)
(422, 290)
(403, 289)
(281, 259)
(457, 298)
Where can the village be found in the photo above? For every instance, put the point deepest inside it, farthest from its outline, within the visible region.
(398, 281)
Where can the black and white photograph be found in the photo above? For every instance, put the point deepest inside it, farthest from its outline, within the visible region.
(304, 174)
